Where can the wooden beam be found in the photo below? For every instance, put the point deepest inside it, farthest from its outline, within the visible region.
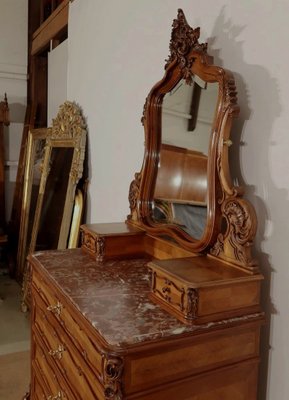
(4, 120)
(54, 24)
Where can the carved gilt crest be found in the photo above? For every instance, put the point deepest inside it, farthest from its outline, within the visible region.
(69, 122)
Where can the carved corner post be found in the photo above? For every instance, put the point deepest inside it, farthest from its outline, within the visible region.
(112, 374)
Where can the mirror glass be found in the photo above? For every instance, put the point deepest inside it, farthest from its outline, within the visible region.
(180, 195)
(54, 198)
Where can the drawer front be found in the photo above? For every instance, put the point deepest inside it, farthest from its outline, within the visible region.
(197, 356)
(236, 382)
(41, 390)
(59, 311)
(37, 391)
(169, 292)
(61, 352)
(53, 381)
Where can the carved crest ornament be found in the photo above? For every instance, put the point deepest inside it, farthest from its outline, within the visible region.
(69, 122)
(184, 39)
(69, 127)
(187, 58)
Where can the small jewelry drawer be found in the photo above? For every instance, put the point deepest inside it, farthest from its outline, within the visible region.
(199, 289)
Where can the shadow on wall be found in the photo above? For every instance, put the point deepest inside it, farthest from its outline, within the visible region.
(17, 115)
(264, 115)
(17, 112)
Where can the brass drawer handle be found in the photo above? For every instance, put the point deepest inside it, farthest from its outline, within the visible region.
(56, 309)
(57, 353)
(57, 397)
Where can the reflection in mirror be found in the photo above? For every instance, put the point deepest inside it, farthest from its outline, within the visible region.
(54, 199)
(180, 196)
(33, 169)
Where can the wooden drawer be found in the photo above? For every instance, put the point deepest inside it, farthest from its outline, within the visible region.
(236, 382)
(57, 309)
(41, 391)
(51, 380)
(190, 357)
(61, 352)
(198, 289)
(38, 393)
(112, 240)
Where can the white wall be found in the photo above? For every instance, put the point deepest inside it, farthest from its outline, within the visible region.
(57, 80)
(13, 80)
(116, 53)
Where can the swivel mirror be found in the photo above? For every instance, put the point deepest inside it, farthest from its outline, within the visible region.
(184, 192)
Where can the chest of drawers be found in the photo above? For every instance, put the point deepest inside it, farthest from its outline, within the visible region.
(97, 335)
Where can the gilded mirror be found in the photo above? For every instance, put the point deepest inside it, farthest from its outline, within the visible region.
(62, 169)
(34, 161)
(184, 192)
(56, 213)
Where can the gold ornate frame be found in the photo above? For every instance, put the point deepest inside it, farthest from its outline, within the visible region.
(68, 131)
(226, 207)
(76, 220)
(34, 159)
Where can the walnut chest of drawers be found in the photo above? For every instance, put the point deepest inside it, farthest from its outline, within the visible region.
(97, 335)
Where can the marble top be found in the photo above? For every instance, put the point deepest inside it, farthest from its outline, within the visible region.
(113, 296)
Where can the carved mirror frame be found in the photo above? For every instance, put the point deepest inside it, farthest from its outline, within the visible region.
(68, 131)
(34, 159)
(231, 220)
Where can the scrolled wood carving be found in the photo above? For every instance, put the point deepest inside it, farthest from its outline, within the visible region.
(143, 118)
(95, 245)
(230, 95)
(133, 196)
(100, 248)
(112, 373)
(88, 241)
(193, 303)
(184, 39)
(235, 244)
